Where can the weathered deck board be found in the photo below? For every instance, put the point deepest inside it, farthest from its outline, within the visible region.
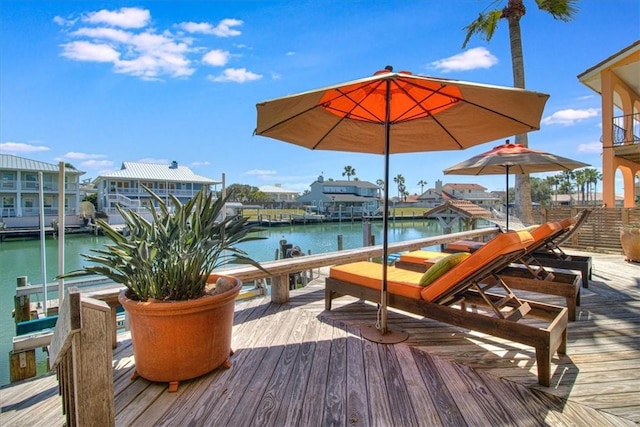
(296, 364)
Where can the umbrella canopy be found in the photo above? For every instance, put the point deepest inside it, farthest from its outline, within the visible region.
(512, 158)
(399, 113)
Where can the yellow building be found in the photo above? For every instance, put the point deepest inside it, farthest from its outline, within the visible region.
(617, 80)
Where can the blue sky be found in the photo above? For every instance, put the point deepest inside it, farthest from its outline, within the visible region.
(99, 83)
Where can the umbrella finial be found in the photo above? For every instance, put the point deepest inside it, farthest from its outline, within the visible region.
(389, 68)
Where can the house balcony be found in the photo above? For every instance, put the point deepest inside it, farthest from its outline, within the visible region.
(626, 144)
(33, 186)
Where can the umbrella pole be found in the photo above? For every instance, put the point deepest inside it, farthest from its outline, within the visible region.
(507, 196)
(382, 334)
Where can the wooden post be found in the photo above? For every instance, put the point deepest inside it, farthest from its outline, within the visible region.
(339, 242)
(22, 365)
(280, 289)
(21, 304)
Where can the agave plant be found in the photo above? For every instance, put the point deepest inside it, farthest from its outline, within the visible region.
(170, 257)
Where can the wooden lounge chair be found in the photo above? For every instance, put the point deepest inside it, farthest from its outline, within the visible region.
(552, 255)
(542, 326)
(530, 275)
(548, 252)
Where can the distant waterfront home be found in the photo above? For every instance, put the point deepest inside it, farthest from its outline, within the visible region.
(124, 187)
(19, 191)
(471, 192)
(278, 194)
(342, 198)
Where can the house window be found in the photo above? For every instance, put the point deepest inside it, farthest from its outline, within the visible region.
(47, 182)
(29, 202)
(8, 180)
(31, 181)
(8, 202)
(48, 203)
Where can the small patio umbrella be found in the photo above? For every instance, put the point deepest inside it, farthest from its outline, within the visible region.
(399, 113)
(512, 158)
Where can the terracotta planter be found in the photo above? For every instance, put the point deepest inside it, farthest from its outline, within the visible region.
(180, 340)
(630, 241)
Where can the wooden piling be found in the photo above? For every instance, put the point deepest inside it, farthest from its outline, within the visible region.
(21, 304)
(22, 365)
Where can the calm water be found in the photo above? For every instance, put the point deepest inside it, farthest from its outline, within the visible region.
(22, 258)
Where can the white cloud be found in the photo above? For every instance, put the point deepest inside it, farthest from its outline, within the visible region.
(64, 22)
(199, 164)
(112, 34)
(570, 116)
(20, 147)
(590, 147)
(82, 156)
(478, 57)
(154, 160)
(87, 51)
(216, 58)
(237, 75)
(126, 17)
(223, 29)
(260, 172)
(96, 164)
(123, 38)
(290, 53)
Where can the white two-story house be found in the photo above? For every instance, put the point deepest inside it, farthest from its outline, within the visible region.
(20, 191)
(124, 187)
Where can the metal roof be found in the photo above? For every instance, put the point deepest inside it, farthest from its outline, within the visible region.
(276, 189)
(156, 172)
(8, 161)
(625, 64)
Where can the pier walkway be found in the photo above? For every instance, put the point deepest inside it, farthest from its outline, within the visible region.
(297, 365)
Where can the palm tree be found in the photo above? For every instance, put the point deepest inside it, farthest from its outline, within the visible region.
(593, 176)
(566, 182)
(553, 181)
(581, 182)
(399, 180)
(485, 25)
(349, 172)
(422, 183)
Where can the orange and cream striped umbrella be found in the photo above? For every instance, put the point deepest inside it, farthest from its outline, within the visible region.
(512, 158)
(399, 113)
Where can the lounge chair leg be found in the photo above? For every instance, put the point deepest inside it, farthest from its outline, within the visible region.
(543, 359)
(328, 294)
(571, 306)
(562, 348)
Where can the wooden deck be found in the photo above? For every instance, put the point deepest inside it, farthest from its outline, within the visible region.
(298, 365)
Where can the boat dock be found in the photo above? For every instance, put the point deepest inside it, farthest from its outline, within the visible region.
(297, 364)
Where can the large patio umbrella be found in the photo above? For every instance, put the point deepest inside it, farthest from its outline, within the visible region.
(399, 113)
(512, 158)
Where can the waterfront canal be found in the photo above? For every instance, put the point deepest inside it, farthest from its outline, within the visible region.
(22, 258)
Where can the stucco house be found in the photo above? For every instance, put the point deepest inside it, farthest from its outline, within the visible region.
(475, 193)
(124, 187)
(342, 199)
(617, 80)
(20, 192)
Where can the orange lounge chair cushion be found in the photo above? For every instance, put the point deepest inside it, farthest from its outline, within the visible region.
(546, 230)
(364, 273)
(418, 257)
(500, 245)
(442, 266)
